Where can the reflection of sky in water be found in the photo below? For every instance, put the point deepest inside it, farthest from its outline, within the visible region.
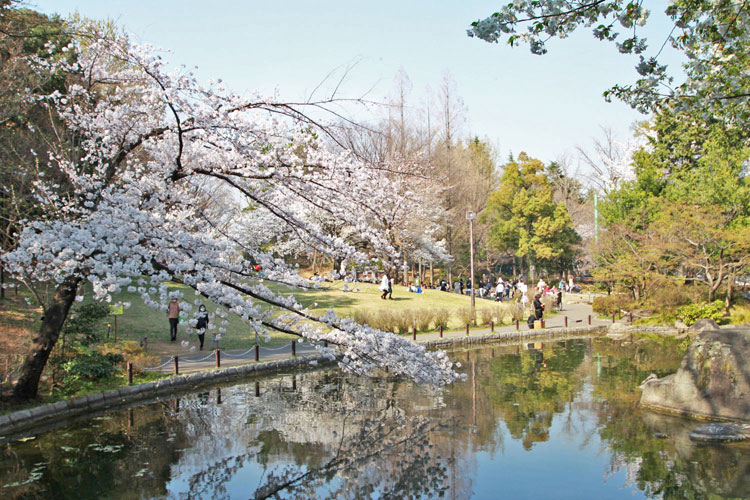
(570, 465)
(552, 420)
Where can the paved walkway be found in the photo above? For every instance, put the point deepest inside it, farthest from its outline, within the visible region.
(577, 314)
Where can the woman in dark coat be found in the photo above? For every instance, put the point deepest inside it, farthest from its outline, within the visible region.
(202, 324)
(538, 307)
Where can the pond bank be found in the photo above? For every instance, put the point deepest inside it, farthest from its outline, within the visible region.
(25, 420)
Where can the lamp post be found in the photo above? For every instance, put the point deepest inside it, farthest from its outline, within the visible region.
(470, 216)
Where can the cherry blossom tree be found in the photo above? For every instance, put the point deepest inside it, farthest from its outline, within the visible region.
(149, 146)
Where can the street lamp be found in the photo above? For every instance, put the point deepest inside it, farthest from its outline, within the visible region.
(470, 216)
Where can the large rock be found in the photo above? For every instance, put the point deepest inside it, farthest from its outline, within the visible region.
(702, 325)
(712, 382)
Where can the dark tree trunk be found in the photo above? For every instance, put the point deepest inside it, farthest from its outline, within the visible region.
(42, 345)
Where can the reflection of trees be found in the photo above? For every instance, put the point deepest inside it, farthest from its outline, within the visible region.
(654, 449)
(327, 435)
(529, 385)
(88, 460)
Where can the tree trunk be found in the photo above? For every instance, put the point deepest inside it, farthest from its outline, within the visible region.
(730, 286)
(42, 345)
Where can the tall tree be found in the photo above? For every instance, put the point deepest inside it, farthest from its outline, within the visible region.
(524, 217)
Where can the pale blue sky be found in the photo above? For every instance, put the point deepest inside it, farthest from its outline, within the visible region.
(544, 105)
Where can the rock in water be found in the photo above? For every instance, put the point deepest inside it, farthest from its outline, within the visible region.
(721, 432)
(713, 380)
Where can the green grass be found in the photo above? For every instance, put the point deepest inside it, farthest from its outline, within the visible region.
(368, 298)
(140, 321)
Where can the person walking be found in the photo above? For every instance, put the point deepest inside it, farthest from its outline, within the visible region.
(202, 324)
(173, 313)
(385, 285)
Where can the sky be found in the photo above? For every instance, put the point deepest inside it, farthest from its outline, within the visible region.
(543, 105)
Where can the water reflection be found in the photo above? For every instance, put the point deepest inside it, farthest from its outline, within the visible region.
(556, 419)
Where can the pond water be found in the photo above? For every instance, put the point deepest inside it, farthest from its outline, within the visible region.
(557, 419)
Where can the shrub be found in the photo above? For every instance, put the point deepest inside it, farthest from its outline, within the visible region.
(404, 320)
(383, 319)
(691, 313)
(81, 325)
(486, 314)
(548, 301)
(441, 317)
(130, 351)
(91, 365)
(423, 318)
(611, 304)
(670, 295)
(516, 311)
(362, 317)
(740, 315)
(465, 315)
(504, 313)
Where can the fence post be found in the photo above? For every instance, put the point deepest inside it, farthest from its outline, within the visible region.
(566, 321)
(414, 334)
(492, 326)
(517, 326)
(589, 319)
(613, 318)
(218, 358)
(257, 352)
(441, 331)
(176, 366)
(294, 348)
(130, 373)
(467, 329)
(630, 317)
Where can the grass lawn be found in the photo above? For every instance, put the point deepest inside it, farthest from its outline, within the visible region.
(368, 298)
(140, 321)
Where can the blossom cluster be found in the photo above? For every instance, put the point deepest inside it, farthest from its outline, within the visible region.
(171, 180)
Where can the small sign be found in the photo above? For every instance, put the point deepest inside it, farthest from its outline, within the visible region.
(116, 310)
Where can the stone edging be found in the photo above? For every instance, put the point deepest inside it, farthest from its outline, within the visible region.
(26, 419)
(517, 335)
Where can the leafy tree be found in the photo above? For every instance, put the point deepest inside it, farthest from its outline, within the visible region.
(523, 217)
(686, 212)
(713, 36)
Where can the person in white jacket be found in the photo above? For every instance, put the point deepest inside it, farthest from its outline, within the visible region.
(385, 285)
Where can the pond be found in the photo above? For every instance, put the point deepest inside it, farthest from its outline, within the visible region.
(556, 419)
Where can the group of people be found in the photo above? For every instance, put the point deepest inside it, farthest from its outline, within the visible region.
(201, 324)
